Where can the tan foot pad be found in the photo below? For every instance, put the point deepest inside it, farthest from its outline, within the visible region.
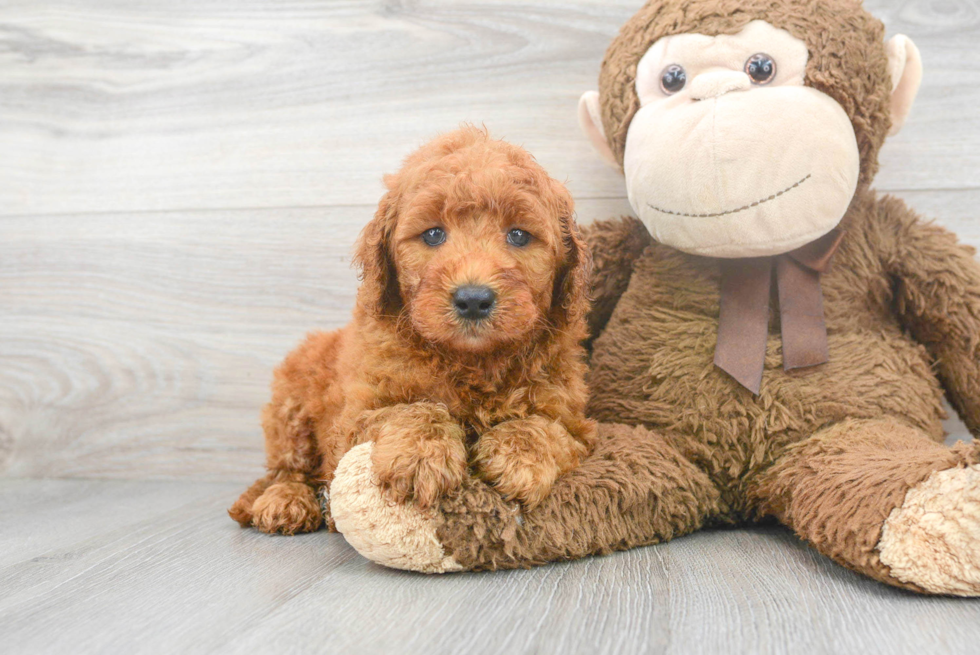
(933, 539)
(390, 534)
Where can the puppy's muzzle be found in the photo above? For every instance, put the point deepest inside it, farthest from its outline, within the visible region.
(473, 302)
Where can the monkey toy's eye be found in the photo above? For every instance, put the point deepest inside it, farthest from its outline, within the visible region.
(673, 79)
(761, 68)
(434, 236)
(518, 238)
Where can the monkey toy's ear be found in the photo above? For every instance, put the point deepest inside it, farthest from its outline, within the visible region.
(905, 68)
(590, 119)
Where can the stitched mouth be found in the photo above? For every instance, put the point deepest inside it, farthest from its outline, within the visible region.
(732, 211)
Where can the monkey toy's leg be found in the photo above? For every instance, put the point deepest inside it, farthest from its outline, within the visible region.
(303, 399)
(634, 489)
(884, 499)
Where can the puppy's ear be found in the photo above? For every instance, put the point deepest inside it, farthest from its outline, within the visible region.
(570, 298)
(379, 292)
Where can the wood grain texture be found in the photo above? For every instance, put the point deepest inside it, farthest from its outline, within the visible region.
(150, 567)
(141, 345)
(120, 106)
(180, 187)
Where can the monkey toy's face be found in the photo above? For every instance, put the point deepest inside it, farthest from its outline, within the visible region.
(730, 154)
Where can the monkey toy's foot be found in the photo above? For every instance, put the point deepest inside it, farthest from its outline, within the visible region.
(933, 539)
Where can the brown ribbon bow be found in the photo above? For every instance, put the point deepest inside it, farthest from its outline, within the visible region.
(743, 324)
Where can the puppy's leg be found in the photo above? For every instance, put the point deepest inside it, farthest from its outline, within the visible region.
(522, 458)
(304, 399)
(419, 451)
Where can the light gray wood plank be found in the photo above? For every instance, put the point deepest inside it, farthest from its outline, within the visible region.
(135, 345)
(161, 106)
(37, 516)
(178, 581)
(735, 587)
(187, 579)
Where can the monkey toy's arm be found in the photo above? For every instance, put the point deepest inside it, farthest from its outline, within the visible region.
(937, 296)
(615, 244)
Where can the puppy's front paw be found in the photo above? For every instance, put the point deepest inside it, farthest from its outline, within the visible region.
(418, 458)
(424, 474)
(522, 458)
(518, 479)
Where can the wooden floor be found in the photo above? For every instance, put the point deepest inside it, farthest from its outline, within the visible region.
(180, 187)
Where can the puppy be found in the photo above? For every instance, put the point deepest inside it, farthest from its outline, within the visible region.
(464, 350)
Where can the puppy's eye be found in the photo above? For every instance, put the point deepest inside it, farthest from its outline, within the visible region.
(518, 238)
(673, 79)
(761, 68)
(434, 236)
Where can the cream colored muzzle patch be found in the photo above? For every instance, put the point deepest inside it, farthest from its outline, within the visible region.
(933, 539)
(749, 173)
(724, 164)
(387, 533)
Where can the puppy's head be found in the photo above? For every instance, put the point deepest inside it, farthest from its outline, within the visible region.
(474, 247)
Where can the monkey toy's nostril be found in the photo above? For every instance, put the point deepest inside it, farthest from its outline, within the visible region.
(474, 302)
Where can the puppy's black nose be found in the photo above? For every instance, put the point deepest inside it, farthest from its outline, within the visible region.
(473, 302)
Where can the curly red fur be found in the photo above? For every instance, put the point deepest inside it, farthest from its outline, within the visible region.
(437, 393)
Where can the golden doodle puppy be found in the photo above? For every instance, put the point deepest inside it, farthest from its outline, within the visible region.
(464, 350)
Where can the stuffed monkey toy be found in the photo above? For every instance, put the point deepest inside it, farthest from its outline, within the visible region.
(771, 338)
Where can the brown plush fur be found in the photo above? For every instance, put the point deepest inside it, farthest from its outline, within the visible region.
(635, 489)
(837, 488)
(829, 451)
(434, 392)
